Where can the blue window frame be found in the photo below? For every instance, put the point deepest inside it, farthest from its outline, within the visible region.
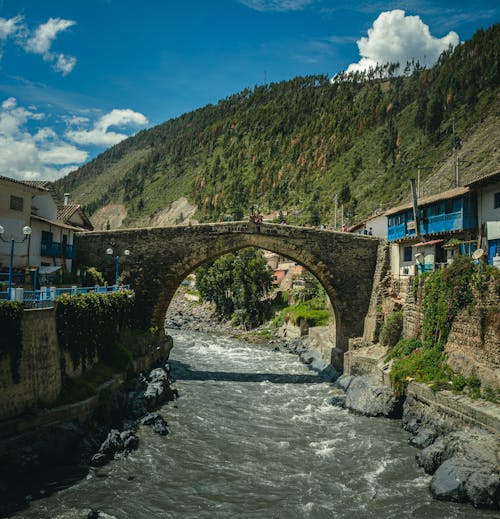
(497, 201)
(407, 254)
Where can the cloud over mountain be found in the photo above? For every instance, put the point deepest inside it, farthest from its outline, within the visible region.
(395, 37)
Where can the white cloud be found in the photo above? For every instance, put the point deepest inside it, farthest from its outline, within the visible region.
(41, 42)
(62, 154)
(45, 34)
(395, 37)
(32, 155)
(100, 135)
(277, 5)
(9, 27)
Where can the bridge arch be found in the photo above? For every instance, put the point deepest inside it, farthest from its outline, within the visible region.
(162, 257)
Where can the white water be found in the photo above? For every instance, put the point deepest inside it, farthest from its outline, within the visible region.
(253, 435)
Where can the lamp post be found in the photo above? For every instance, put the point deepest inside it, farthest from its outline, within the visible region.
(26, 232)
(109, 251)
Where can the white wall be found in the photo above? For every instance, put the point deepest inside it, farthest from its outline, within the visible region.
(13, 223)
(45, 205)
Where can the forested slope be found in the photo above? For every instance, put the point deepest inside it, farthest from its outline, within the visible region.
(291, 146)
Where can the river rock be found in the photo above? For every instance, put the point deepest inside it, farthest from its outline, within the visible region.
(157, 422)
(93, 514)
(130, 440)
(424, 437)
(113, 443)
(461, 480)
(343, 382)
(99, 459)
(473, 445)
(160, 427)
(366, 396)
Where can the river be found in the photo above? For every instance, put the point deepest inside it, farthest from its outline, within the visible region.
(253, 435)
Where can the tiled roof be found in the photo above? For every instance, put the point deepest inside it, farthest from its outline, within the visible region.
(34, 184)
(58, 223)
(492, 178)
(64, 212)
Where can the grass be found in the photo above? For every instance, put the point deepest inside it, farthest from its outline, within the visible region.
(313, 312)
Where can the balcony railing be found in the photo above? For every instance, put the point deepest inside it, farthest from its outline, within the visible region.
(428, 225)
(55, 249)
(46, 296)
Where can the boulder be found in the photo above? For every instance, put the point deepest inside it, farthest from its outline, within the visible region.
(113, 443)
(459, 479)
(130, 440)
(366, 396)
(424, 437)
(343, 382)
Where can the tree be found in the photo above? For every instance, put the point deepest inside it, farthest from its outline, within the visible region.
(237, 284)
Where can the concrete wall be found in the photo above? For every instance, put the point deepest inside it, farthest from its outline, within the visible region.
(40, 367)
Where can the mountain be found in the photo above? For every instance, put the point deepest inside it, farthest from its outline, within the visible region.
(294, 146)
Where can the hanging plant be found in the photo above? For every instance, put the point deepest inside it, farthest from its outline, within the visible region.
(11, 315)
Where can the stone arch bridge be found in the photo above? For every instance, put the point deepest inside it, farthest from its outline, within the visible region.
(161, 258)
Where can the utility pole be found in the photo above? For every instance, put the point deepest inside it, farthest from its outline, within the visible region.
(415, 208)
(455, 152)
(335, 205)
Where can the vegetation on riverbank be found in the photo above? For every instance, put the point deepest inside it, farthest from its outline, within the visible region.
(443, 294)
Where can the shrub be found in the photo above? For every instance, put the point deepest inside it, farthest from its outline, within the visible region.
(424, 365)
(390, 333)
(404, 347)
(89, 324)
(11, 314)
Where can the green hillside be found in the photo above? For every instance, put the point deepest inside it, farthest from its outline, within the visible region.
(291, 146)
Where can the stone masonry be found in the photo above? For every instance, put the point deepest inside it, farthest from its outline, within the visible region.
(40, 366)
(162, 257)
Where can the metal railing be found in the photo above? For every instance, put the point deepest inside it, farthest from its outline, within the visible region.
(46, 296)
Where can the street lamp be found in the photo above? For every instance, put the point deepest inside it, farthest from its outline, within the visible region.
(109, 251)
(26, 232)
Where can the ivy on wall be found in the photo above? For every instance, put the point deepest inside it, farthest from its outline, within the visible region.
(11, 314)
(444, 293)
(89, 324)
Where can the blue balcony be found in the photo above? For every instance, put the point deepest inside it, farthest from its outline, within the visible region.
(55, 250)
(442, 223)
(396, 232)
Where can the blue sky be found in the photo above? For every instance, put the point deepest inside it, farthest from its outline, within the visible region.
(78, 76)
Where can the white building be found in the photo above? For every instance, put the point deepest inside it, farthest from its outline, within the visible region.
(50, 246)
(374, 225)
(488, 213)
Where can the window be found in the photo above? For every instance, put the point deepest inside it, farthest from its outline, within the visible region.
(407, 254)
(16, 203)
(46, 237)
(497, 201)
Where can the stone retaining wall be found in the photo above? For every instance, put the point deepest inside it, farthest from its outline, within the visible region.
(40, 366)
(450, 411)
(473, 345)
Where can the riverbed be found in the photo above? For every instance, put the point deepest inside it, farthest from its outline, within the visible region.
(253, 435)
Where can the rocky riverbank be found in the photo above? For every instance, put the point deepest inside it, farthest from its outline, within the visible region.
(35, 464)
(464, 462)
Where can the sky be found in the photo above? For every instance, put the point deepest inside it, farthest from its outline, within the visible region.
(78, 76)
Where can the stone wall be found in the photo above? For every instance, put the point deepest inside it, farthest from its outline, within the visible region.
(473, 345)
(40, 366)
